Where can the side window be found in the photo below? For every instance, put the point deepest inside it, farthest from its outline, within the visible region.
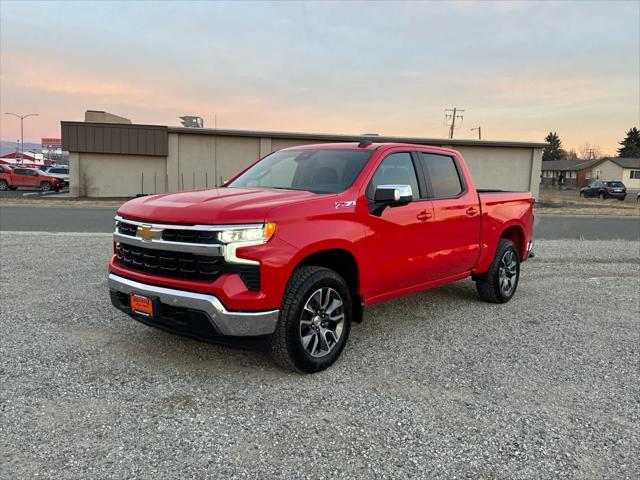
(396, 169)
(20, 171)
(443, 174)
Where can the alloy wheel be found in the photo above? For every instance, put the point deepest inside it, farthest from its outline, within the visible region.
(508, 273)
(322, 322)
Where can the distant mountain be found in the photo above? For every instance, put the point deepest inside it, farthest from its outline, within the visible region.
(7, 147)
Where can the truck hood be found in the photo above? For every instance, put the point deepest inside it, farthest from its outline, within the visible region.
(213, 206)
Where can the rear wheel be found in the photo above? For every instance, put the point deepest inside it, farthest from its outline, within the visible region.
(315, 320)
(582, 194)
(499, 283)
(4, 185)
(45, 186)
(601, 195)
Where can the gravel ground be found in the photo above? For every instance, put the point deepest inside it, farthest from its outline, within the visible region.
(434, 385)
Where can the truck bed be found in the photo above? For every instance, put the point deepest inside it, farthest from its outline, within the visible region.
(501, 209)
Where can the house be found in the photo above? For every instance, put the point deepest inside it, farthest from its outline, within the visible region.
(567, 173)
(627, 170)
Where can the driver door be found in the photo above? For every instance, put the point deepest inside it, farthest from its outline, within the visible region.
(397, 242)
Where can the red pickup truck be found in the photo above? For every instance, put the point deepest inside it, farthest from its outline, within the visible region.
(295, 245)
(11, 179)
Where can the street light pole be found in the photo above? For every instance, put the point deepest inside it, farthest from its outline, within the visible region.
(22, 117)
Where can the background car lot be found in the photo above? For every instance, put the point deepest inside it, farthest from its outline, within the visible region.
(433, 385)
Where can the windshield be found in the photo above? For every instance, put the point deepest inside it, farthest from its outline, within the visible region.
(318, 171)
(614, 184)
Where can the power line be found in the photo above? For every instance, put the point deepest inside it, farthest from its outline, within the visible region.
(452, 114)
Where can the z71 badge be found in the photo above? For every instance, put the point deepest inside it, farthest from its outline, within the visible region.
(350, 203)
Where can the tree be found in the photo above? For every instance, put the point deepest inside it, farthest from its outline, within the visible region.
(630, 146)
(590, 152)
(554, 150)
(571, 155)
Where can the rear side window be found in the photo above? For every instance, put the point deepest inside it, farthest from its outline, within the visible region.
(443, 175)
(396, 169)
(59, 170)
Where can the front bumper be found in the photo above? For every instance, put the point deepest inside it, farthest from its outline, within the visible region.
(189, 305)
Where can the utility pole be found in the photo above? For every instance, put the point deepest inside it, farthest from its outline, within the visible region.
(591, 153)
(453, 114)
(22, 117)
(479, 132)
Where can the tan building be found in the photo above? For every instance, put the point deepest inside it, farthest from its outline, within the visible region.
(627, 170)
(124, 160)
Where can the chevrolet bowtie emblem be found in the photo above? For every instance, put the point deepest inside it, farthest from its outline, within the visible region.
(148, 233)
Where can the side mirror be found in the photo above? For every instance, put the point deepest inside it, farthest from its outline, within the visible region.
(390, 196)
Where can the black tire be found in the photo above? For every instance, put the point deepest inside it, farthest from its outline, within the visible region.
(45, 186)
(582, 194)
(287, 347)
(601, 196)
(4, 185)
(621, 199)
(12, 187)
(489, 283)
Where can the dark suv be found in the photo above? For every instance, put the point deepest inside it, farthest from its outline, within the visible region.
(605, 189)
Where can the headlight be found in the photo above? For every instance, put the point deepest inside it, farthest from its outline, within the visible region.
(260, 233)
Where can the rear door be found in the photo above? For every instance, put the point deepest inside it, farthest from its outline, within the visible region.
(594, 188)
(456, 208)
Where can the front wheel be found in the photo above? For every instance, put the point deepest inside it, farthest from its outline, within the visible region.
(45, 186)
(499, 283)
(4, 185)
(601, 196)
(315, 320)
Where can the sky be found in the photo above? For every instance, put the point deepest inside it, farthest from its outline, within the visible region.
(518, 69)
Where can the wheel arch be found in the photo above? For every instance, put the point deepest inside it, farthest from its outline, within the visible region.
(343, 262)
(516, 234)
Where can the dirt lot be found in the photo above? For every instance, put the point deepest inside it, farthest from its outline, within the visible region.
(568, 202)
(433, 385)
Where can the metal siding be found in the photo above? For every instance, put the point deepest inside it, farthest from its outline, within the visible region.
(115, 138)
(99, 139)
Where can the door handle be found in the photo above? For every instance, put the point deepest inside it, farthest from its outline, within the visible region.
(424, 215)
(471, 211)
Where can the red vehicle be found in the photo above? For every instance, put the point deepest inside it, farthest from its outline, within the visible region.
(295, 245)
(11, 179)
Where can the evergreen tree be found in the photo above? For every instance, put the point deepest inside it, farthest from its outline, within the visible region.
(630, 146)
(554, 150)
